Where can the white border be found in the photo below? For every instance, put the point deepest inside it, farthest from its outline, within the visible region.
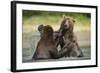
(36, 65)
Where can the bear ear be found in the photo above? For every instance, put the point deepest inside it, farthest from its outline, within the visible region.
(74, 21)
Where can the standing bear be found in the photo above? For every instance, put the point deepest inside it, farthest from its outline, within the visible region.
(69, 39)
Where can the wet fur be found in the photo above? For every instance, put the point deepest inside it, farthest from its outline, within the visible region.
(69, 39)
(46, 47)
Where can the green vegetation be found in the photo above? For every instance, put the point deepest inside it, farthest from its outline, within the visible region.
(31, 19)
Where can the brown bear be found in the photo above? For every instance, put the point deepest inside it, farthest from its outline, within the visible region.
(46, 48)
(69, 39)
(65, 37)
(57, 35)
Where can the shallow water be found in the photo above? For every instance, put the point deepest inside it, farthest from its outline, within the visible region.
(27, 54)
(29, 47)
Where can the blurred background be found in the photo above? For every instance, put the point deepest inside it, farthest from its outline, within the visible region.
(32, 19)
